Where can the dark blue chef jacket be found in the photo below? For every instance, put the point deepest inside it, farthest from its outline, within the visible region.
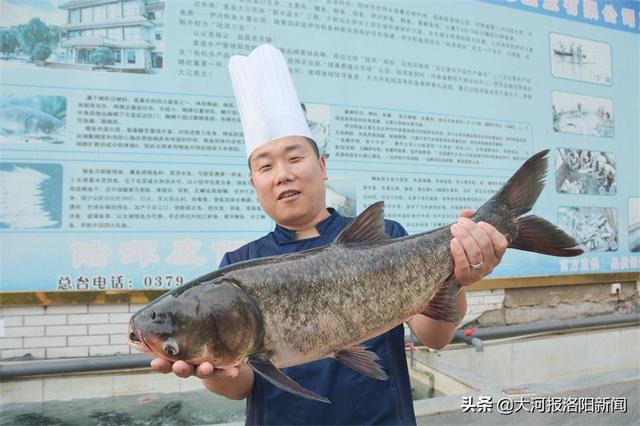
(355, 398)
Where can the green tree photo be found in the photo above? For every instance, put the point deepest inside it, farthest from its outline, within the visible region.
(102, 56)
(8, 42)
(36, 35)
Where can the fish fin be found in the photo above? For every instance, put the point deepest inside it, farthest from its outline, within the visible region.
(522, 190)
(361, 360)
(540, 236)
(442, 305)
(517, 196)
(265, 368)
(368, 227)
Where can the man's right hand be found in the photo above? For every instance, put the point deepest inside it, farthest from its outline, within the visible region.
(232, 382)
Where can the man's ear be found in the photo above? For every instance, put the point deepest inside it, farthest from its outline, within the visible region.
(323, 166)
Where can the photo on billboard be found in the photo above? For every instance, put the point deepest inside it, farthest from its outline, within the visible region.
(580, 59)
(29, 120)
(124, 36)
(583, 115)
(319, 120)
(581, 171)
(31, 195)
(594, 228)
(634, 224)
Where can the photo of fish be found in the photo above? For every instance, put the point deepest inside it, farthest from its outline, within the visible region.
(31, 195)
(583, 115)
(634, 224)
(580, 59)
(319, 119)
(36, 119)
(286, 310)
(102, 35)
(585, 172)
(594, 228)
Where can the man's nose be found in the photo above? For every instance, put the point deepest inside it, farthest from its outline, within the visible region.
(283, 174)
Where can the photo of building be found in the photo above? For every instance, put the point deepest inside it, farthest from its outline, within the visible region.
(131, 31)
(87, 35)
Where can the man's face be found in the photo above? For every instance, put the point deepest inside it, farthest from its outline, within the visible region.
(289, 180)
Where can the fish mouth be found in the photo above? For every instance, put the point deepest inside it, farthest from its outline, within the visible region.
(288, 194)
(136, 341)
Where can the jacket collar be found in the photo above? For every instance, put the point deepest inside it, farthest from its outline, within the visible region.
(284, 235)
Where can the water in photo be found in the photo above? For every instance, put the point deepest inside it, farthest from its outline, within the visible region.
(580, 59)
(594, 228)
(581, 114)
(31, 195)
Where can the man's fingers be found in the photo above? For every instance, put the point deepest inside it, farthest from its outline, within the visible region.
(204, 370)
(487, 256)
(462, 269)
(228, 373)
(469, 244)
(182, 369)
(500, 243)
(161, 365)
(466, 213)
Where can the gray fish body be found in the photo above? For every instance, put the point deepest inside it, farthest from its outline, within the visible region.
(316, 303)
(287, 310)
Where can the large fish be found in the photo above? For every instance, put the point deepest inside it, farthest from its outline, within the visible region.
(282, 311)
(18, 119)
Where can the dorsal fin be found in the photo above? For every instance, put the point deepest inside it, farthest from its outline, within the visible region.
(368, 227)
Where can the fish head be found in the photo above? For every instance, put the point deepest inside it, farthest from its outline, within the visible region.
(214, 321)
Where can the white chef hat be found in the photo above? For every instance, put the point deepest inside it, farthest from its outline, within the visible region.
(267, 102)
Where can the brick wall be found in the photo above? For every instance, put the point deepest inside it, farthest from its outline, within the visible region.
(480, 301)
(64, 331)
(94, 330)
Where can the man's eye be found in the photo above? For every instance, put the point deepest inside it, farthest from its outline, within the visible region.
(296, 158)
(264, 168)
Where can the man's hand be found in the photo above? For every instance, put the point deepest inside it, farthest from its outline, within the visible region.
(232, 382)
(476, 248)
(184, 370)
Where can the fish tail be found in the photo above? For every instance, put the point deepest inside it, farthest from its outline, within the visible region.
(506, 208)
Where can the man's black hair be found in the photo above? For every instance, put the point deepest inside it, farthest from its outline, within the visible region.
(313, 143)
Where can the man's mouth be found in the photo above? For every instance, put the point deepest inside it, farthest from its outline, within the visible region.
(287, 194)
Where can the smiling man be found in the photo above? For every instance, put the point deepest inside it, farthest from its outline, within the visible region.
(288, 175)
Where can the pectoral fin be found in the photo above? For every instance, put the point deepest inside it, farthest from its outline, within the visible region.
(265, 368)
(361, 360)
(442, 306)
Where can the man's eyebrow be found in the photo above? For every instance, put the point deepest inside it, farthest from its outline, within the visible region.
(292, 147)
(287, 148)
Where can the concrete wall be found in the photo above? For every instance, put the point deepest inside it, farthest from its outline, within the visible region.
(523, 305)
(536, 359)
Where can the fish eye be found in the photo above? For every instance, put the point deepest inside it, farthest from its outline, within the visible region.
(171, 348)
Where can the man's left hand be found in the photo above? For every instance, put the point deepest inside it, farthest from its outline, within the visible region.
(476, 248)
